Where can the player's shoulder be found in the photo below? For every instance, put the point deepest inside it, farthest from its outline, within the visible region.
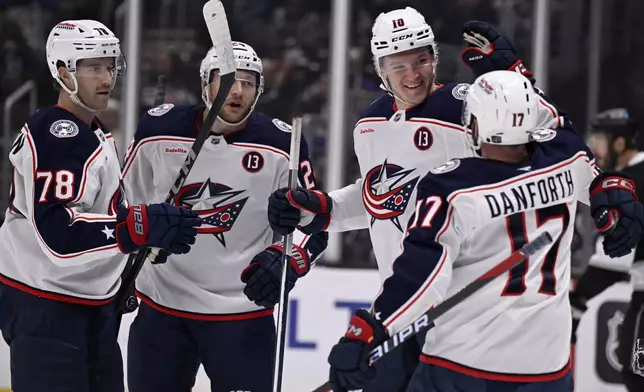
(443, 104)
(169, 120)
(459, 174)
(452, 93)
(551, 146)
(266, 131)
(57, 133)
(383, 106)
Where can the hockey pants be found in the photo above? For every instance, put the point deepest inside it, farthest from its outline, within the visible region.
(631, 354)
(432, 378)
(164, 353)
(58, 346)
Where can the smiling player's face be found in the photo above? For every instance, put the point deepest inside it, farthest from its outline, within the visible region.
(410, 74)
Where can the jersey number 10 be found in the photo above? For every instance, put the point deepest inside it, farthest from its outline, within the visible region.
(516, 225)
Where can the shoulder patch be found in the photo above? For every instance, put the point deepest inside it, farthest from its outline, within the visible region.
(460, 91)
(161, 109)
(281, 125)
(446, 167)
(64, 129)
(542, 135)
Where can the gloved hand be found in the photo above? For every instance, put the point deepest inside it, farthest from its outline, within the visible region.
(487, 51)
(349, 358)
(617, 212)
(578, 307)
(285, 206)
(157, 226)
(264, 274)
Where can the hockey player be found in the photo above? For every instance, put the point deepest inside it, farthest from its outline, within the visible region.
(512, 335)
(399, 138)
(68, 227)
(612, 139)
(197, 310)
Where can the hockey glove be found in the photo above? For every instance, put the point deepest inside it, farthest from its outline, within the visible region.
(157, 226)
(264, 274)
(349, 358)
(617, 212)
(285, 211)
(487, 51)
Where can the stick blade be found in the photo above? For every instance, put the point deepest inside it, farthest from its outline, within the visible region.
(214, 15)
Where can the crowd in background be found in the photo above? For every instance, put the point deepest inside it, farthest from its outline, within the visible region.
(293, 39)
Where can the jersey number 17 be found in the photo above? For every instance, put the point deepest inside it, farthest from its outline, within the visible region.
(517, 231)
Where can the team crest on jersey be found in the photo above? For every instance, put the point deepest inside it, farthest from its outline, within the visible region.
(281, 125)
(386, 192)
(217, 205)
(64, 129)
(160, 110)
(446, 167)
(460, 91)
(543, 135)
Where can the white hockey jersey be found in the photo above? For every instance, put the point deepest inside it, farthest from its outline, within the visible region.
(470, 215)
(57, 240)
(229, 186)
(395, 149)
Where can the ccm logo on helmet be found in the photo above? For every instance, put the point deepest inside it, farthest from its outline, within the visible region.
(402, 37)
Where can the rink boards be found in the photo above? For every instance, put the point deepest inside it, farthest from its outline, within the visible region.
(321, 305)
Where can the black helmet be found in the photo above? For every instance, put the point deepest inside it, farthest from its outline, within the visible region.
(616, 122)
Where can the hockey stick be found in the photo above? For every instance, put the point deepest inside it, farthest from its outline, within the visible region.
(424, 321)
(217, 23)
(282, 314)
(130, 303)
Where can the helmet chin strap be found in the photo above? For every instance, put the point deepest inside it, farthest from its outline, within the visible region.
(73, 95)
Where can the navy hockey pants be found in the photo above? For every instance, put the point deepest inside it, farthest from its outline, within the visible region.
(164, 353)
(394, 370)
(431, 378)
(60, 347)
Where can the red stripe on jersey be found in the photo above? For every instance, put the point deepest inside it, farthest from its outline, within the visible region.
(261, 147)
(52, 296)
(203, 316)
(153, 139)
(81, 190)
(570, 161)
(371, 119)
(507, 377)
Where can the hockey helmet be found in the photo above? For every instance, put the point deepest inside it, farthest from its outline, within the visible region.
(245, 59)
(501, 107)
(616, 122)
(73, 40)
(399, 31)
